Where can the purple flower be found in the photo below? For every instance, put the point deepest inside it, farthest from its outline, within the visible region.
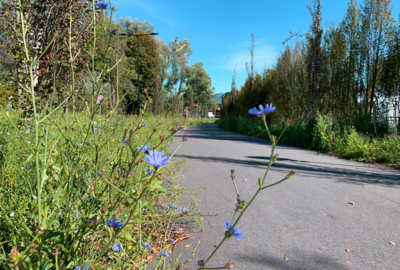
(98, 172)
(144, 124)
(234, 231)
(78, 268)
(102, 5)
(150, 171)
(117, 247)
(114, 32)
(146, 246)
(96, 128)
(173, 207)
(144, 148)
(156, 158)
(123, 141)
(263, 111)
(86, 266)
(201, 262)
(113, 223)
(165, 254)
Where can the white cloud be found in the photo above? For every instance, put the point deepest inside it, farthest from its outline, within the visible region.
(265, 55)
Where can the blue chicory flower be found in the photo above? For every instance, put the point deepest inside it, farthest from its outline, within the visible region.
(117, 247)
(156, 158)
(102, 5)
(78, 268)
(114, 32)
(201, 262)
(98, 172)
(144, 148)
(9, 106)
(113, 223)
(173, 241)
(234, 231)
(146, 246)
(86, 266)
(173, 207)
(144, 124)
(12, 214)
(96, 128)
(150, 170)
(165, 254)
(123, 141)
(263, 111)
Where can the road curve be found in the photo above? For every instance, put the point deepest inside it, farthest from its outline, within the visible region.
(307, 220)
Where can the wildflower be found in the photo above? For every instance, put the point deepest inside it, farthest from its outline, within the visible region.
(165, 254)
(156, 158)
(102, 5)
(86, 266)
(22, 168)
(173, 241)
(183, 209)
(234, 231)
(144, 148)
(209, 212)
(117, 247)
(29, 142)
(263, 111)
(173, 207)
(12, 214)
(150, 170)
(144, 124)
(146, 246)
(98, 172)
(76, 214)
(123, 141)
(201, 262)
(114, 32)
(78, 268)
(34, 197)
(96, 128)
(9, 106)
(113, 223)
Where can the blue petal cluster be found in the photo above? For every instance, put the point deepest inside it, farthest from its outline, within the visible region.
(234, 231)
(146, 246)
(96, 128)
(117, 247)
(150, 170)
(263, 111)
(165, 254)
(114, 32)
(156, 158)
(102, 5)
(144, 148)
(113, 223)
(201, 262)
(173, 207)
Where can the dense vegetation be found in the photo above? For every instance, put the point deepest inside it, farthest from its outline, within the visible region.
(350, 74)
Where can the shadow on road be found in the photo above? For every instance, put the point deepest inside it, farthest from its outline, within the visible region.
(303, 261)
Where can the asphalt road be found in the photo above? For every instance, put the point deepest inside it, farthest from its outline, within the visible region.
(307, 219)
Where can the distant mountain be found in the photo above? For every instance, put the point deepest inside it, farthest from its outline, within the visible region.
(218, 97)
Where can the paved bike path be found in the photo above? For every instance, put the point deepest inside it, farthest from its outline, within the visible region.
(308, 219)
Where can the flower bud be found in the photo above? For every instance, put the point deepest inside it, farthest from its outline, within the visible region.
(273, 138)
(233, 174)
(260, 182)
(229, 265)
(184, 138)
(290, 174)
(274, 158)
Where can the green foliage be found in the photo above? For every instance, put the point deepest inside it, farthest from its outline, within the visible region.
(8, 90)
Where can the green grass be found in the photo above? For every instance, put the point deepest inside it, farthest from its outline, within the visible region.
(88, 176)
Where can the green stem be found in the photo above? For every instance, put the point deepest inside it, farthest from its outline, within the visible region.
(215, 250)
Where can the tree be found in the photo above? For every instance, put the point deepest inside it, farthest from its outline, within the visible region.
(148, 65)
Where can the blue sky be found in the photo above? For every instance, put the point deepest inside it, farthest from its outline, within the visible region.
(219, 31)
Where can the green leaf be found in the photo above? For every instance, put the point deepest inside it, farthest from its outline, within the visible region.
(29, 158)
